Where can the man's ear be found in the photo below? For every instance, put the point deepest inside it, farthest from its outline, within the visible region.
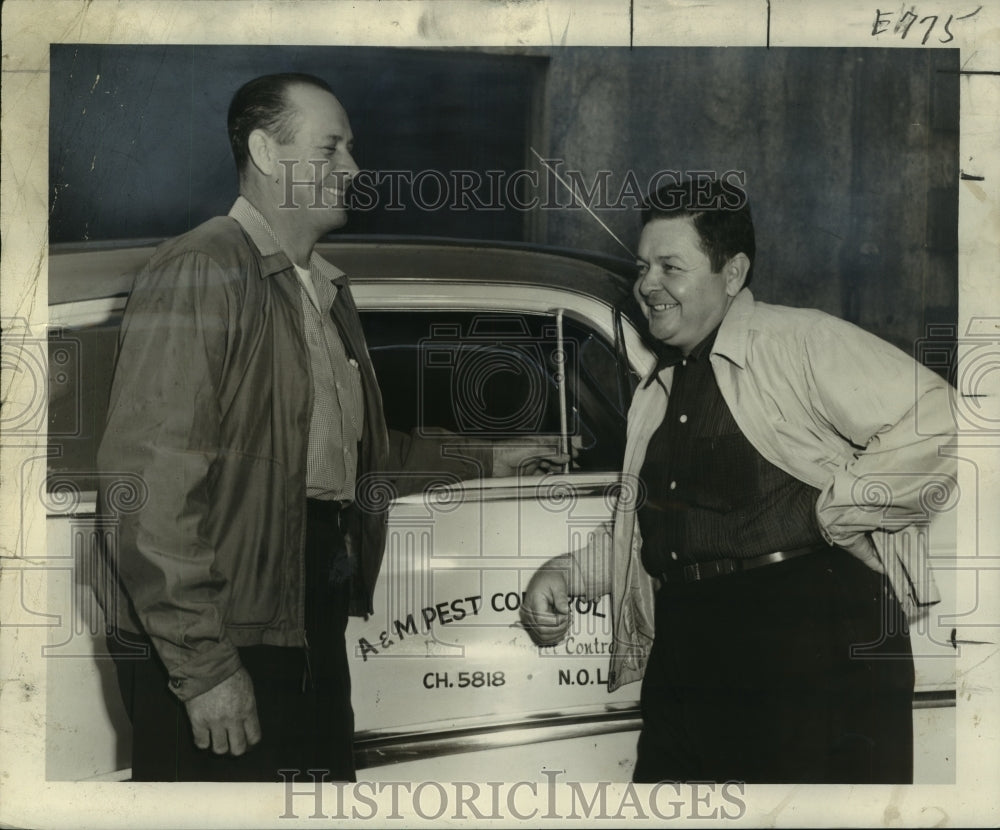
(261, 149)
(736, 273)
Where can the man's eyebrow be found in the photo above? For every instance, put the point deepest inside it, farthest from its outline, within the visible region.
(336, 139)
(642, 263)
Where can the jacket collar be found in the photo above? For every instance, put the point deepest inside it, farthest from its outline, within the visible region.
(731, 342)
(275, 260)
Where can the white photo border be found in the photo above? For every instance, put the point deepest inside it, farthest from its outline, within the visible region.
(27, 799)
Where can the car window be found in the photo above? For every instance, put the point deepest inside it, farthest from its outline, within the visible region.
(478, 374)
(488, 375)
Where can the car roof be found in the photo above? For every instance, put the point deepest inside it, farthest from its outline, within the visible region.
(94, 270)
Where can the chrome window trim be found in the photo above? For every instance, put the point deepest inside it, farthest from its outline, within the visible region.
(85, 313)
(511, 488)
(455, 295)
(63, 504)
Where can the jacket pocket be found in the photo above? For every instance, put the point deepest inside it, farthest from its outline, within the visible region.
(250, 524)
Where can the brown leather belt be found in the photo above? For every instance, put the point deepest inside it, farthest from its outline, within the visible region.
(726, 567)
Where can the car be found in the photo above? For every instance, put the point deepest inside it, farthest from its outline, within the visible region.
(482, 340)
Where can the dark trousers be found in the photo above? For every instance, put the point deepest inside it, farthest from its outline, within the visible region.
(799, 672)
(304, 706)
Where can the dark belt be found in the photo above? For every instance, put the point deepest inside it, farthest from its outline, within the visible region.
(329, 511)
(328, 526)
(726, 567)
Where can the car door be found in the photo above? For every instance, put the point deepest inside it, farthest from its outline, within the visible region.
(486, 363)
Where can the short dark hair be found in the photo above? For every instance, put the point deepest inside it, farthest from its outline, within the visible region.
(720, 211)
(263, 104)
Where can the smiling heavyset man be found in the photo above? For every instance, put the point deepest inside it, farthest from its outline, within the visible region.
(245, 400)
(760, 590)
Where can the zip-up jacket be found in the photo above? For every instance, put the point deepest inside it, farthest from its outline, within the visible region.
(210, 411)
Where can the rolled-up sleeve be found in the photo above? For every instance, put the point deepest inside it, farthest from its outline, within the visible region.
(898, 417)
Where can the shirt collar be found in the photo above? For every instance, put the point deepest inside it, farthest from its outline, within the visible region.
(670, 356)
(729, 339)
(275, 260)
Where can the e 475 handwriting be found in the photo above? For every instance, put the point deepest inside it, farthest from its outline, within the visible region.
(906, 18)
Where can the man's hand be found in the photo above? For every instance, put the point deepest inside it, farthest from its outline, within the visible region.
(545, 612)
(531, 455)
(225, 717)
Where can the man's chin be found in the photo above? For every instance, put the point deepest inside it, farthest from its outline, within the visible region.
(664, 334)
(333, 219)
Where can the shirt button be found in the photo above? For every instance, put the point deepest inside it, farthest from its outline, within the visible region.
(673, 485)
(683, 419)
(176, 684)
(673, 555)
(684, 362)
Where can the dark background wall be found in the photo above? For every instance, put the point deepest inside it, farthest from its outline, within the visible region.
(850, 155)
(138, 144)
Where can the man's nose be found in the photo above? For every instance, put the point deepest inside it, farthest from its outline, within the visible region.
(644, 283)
(348, 167)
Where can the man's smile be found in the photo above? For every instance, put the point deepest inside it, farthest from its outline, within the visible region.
(334, 196)
(661, 306)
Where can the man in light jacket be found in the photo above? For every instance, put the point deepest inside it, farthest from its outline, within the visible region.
(761, 583)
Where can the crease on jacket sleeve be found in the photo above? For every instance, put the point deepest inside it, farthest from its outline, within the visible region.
(164, 424)
(899, 418)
